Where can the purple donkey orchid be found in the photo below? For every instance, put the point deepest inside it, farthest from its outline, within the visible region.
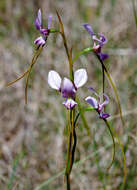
(98, 42)
(97, 104)
(67, 87)
(40, 41)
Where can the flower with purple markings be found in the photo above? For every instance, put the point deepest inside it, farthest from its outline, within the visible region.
(98, 42)
(40, 41)
(97, 104)
(66, 87)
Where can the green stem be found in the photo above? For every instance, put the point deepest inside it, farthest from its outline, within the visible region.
(122, 150)
(68, 181)
(113, 86)
(74, 146)
(85, 123)
(86, 50)
(134, 11)
(113, 155)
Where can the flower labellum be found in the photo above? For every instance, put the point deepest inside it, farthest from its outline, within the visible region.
(40, 41)
(97, 105)
(66, 86)
(98, 42)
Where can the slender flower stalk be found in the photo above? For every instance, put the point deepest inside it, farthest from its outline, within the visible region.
(98, 106)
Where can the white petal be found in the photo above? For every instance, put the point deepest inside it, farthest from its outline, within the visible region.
(54, 80)
(80, 77)
(92, 101)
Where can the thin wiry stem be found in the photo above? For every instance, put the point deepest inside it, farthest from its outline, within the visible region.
(113, 86)
(29, 71)
(122, 149)
(113, 155)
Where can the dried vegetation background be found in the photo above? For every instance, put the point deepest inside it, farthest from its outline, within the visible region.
(33, 138)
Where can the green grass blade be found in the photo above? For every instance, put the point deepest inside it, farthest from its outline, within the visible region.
(84, 121)
(122, 150)
(134, 11)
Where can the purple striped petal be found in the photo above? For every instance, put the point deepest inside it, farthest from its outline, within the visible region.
(80, 77)
(69, 103)
(103, 56)
(38, 21)
(104, 115)
(92, 101)
(88, 29)
(103, 38)
(67, 89)
(54, 80)
(39, 41)
(101, 106)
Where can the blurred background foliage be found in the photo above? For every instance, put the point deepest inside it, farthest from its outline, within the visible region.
(32, 137)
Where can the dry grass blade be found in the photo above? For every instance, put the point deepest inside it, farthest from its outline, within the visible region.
(63, 34)
(29, 71)
(22, 76)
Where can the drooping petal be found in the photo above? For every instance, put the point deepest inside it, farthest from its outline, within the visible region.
(40, 41)
(69, 103)
(54, 80)
(104, 115)
(49, 21)
(103, 56)
(38, 21)
(92, 101)
(80, 77)
(67, 89)
(88, 29)
(101, 106)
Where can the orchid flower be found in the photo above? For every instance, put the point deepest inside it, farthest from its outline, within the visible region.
(98, 42)
(97, 104)
(40, 41)
(66, 87)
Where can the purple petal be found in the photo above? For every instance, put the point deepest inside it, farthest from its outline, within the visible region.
(49, 21)
(39, 41)
(104, 115)
(88, 29)
(37, 24)
(92, 101)
(45, 32)
(103, 56)
(96, 39)
(54, 80)
(103, 38)
(38, 21)
(101, 106)
(67, 89)
(69, 103)
(80, 77)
